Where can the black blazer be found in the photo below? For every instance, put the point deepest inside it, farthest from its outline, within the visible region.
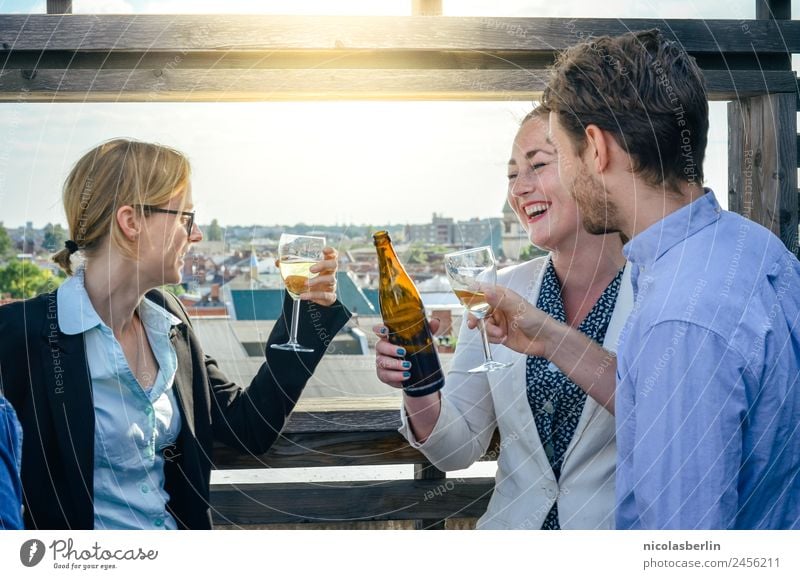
(45, 376)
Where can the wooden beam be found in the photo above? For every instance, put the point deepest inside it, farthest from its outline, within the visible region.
(340, 438)
(218, 85)
(223, 33)
(762, 163)
(426, 7)
(776, 10)
(262, 504)
(59, 6)
(773, 9)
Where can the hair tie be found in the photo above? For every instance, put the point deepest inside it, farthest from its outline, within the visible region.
(71, 246)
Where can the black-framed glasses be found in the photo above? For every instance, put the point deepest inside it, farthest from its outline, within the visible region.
(189, 223)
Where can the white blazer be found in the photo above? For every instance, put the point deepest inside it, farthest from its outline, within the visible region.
(473, 405)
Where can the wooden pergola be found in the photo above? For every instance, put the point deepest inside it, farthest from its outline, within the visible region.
(91, 58)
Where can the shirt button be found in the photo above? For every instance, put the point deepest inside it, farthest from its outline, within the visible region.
(550, 492)
(148, 410)
(159, 522)
(145, 489)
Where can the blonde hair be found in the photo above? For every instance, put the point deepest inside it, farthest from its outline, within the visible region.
(114, 174)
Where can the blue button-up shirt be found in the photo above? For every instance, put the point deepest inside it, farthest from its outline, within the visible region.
(708, 383)
(132, 425)
(10, 462)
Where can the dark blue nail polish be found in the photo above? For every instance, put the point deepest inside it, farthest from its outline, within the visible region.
(406, 364)
(383, 330)
(406, 374)
(401, 351)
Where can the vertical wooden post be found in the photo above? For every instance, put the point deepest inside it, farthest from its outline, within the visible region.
(59, 6)
(762, 151)
(426, 8)
(773, 9)
(427, 471)
(762, 162)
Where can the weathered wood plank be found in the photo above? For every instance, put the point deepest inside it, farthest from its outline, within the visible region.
(349, 438)
(775, 9)
(59, 6)
(344, 59)
(217, 85)
(426, 7)
(144, 33)
(762, 163)
(427, 472)
(260, 504)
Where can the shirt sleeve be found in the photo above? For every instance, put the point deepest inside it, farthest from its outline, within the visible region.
(689, 408)
(467, 419)
(10, 455)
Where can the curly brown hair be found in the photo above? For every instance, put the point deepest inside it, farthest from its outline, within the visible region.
(643, 89)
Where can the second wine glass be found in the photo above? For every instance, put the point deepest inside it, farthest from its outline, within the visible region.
(467, 270)
(297, 254)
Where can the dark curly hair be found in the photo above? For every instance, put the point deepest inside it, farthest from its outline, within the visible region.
(643, 89)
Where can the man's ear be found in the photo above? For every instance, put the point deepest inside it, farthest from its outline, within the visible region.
(598, 148)
(129, 222)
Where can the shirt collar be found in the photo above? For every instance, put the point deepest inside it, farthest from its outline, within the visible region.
(663, 235)
(77, 315)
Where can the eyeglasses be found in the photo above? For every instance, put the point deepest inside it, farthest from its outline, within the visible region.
(189, 215)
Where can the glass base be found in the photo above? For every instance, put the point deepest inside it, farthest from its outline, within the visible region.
(489, 366)
(292, 347)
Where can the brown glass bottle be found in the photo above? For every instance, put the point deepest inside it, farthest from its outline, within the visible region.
(404, 315)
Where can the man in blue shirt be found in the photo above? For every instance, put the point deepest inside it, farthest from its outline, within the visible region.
(708, 371)
(10, 487)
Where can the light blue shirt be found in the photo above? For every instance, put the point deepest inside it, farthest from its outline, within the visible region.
(132, 425)
(708, 383)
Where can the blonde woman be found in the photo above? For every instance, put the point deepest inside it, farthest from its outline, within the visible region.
(118, 403)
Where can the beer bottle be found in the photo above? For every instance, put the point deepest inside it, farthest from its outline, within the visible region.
(404, 315)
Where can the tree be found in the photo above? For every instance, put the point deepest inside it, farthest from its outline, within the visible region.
(23, 279)
(54, 237)
(214, 232)
(6, 245)
(530, 252)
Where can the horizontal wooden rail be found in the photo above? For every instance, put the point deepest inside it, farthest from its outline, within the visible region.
(144, 85)
(263, 504)
(345, 438)
(340, 438)
(243, 58)
(146, 33)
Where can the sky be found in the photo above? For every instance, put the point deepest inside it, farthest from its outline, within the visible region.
(313, 162)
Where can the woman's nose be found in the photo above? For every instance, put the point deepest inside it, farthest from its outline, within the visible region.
(197, 234)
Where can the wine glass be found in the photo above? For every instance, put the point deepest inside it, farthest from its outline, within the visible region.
(297, 254)
(467, 270)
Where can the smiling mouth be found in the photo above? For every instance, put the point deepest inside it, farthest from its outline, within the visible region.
(536, 210)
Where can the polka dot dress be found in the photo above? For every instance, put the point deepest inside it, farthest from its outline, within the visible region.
(557, 402)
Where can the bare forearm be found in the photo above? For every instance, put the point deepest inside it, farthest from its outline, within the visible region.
(423, 414)
(585, 362)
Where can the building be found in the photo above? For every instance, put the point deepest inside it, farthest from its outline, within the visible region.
(514, 236)
(474, 232)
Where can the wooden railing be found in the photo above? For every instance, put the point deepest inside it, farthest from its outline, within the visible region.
(346, 438)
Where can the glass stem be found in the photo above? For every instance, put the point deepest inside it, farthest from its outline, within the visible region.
(485, 338)
(295, 321)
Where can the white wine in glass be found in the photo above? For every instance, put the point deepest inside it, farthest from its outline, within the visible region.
(467, 271)
(297, 253)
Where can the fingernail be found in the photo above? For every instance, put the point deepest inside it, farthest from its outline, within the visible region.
(406, 374)
(401, 351)
(406, 364)
(383, 330)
